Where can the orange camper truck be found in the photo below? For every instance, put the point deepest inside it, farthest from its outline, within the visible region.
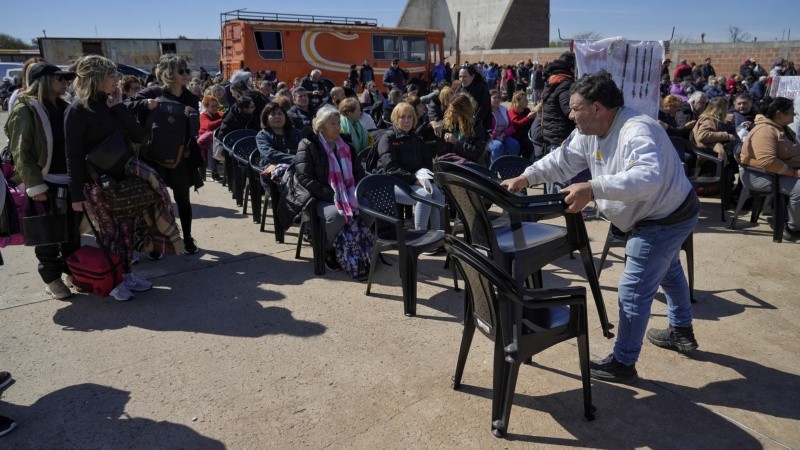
(292, 45)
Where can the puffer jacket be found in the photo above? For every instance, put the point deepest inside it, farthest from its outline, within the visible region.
(556, 124)
(31, 142)
(308, 179)
(771, 147)
(402, 154)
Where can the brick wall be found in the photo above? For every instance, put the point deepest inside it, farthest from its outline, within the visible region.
(725, 57)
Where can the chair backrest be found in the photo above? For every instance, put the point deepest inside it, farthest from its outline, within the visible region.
(255, 161)
(234, 136)
(243, 148)
(376, 192)
(509, 166)
(467, 192)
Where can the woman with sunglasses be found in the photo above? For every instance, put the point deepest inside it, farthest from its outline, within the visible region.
(173, 77)
(35, 131)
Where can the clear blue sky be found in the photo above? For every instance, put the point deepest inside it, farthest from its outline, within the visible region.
(635, 19)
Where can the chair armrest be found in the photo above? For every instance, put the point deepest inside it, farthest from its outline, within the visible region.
(532, 204)
(381, 216)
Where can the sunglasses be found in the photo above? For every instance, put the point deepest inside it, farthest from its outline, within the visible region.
(61, 78)
(183, 71)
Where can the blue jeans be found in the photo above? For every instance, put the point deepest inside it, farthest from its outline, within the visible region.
(653, 260)
(508, 146)
(422, 211)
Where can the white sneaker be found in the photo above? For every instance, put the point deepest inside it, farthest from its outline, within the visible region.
(58, 290)
(136, 283)
(121, 293)
(69, 280)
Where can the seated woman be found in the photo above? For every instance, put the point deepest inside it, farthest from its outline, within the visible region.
(371, 96)
(711, 131)
(773, 146)
(328, 169)
(395, 97)
(463, 140)
(241, 116)
(420, 111)
(278, 140)
(666, 117)
(522, 118)
(350, 118)
(401, 154)
(502, 130)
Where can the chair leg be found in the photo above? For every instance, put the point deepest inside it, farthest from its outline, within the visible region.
(264, 211)
(597, 293)
(245, 194)
(373, 262)
(778, 217)
(583, 358)
(466, 341)
(318, 243)
(410, 285)
(688, 247)
(500, 427)
(742, 199)
(303, 226)
(606, 247)
(499, 383)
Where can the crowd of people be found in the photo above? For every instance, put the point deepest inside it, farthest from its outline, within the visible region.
(318, 142)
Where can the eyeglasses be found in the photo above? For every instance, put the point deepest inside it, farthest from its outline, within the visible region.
(183, 71)
(61, 78)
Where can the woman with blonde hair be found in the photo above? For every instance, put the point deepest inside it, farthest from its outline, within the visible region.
(463, 138)
(173, 75)
(670, 105)
(711, 131)
(350, 119)
(96, 114)
(35, 131)
(401, 154)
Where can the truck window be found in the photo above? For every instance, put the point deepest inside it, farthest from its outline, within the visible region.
(385, 47)
(269, 44)
(414, 48)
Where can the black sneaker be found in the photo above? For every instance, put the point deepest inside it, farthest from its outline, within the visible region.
(6, 425)
(676, 338)
(613, 371)
(189, 247)
(331, 263)
(6, 380)
(155, 256)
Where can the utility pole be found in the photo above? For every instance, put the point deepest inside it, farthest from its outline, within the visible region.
(458, 40)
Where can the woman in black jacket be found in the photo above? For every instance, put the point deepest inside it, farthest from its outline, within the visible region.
(173, 75)
(96, 114)
(472, 83)
(401, 154)
(316, 156)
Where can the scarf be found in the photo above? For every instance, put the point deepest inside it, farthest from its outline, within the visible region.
(555, 79)
(340, 177)
(356, 131)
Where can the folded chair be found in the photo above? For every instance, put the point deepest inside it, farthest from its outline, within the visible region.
(256, 191)
(228, 141)
(523, 247)
(376, 199)
(240, 154)
(521, 323)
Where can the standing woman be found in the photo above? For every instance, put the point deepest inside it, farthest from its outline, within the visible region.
(473, 84)
(173, 76)
(35, 131)
(96, 113)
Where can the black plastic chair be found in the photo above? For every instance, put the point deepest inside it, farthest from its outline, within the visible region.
(240, 154)
(521, 322)
(271, 193)
(376, 199)
(228, 141)
(617, 238)
(310, 219)
(716, 179)
(523, 248)
(760, 197)
(256, 191)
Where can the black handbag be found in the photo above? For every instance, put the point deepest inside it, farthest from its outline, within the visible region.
(129, 197)
(111, 155)
(45, 227)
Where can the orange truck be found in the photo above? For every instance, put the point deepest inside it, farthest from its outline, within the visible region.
(292, 45)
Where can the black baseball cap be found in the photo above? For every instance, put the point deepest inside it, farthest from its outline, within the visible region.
(41, 69)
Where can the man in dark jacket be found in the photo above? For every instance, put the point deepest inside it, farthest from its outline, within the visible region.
(300, 112)
(316, 89)
(395, 77)
(707, 70)
(366, 73)
(687, 116)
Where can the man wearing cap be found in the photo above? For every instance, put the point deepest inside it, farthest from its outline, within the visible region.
(395, 77)
(35, 131)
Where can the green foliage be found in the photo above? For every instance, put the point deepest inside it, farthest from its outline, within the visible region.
(8, 42)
